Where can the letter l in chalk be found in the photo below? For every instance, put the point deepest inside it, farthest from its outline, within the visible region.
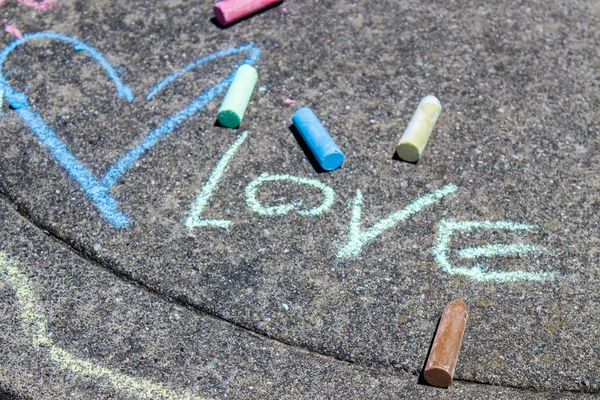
(194, 219)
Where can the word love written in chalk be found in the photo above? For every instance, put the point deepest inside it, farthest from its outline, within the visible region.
(359, 238)
(98, 189)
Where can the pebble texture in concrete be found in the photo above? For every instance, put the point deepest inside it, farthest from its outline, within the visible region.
(501, 211)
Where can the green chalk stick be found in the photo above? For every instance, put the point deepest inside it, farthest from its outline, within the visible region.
(238, 95)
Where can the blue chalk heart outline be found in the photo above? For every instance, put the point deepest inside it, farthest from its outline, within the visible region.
(99, 189)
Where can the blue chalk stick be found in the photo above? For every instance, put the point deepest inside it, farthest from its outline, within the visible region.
(327, 153)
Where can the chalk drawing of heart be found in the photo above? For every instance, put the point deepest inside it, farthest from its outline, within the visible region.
(98, 189)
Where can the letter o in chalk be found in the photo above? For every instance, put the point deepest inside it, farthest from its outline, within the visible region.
(283, 209)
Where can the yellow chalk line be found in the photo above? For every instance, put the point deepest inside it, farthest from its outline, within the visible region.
(35, 324)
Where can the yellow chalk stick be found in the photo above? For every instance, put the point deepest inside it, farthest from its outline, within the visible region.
(415, 137)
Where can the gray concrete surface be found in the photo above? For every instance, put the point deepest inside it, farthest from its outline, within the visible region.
(73, 330)
(518, 139)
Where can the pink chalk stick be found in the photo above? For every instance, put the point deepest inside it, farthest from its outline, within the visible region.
(229, 11)
(43, 5)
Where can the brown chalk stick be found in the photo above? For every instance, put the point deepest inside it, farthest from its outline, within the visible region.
(439, 369)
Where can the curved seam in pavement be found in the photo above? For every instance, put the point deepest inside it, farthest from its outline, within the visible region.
(91, 258)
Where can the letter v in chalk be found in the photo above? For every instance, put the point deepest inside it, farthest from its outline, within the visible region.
(357, 239)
